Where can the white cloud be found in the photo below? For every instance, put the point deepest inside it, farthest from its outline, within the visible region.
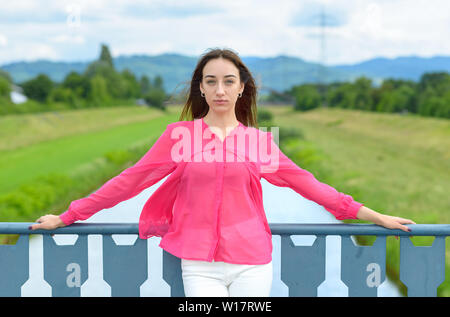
(42, 51)
(65, 38)
(3, 40)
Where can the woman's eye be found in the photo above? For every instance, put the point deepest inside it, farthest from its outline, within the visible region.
(212, 82)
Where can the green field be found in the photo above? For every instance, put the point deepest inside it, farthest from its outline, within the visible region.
(394, 164)
(33, 145)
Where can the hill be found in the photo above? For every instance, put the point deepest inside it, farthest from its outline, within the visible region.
(279, 73)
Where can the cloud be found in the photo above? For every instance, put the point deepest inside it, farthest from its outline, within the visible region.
(177, 10)
(354, 30)
(314, 14)
(3, 40)
(34, 51)
(42, 51)
(65, 38)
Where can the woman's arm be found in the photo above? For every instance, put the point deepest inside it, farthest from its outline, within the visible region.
(151, 168)
(390, 222)
(282, 171)
(285, 173)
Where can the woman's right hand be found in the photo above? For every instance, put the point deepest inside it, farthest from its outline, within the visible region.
(48, 222)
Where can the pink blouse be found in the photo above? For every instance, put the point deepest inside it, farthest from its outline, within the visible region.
(210, 207)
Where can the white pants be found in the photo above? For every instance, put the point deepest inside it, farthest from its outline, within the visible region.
(220, 279)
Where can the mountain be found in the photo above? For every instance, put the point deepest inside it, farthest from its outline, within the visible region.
(22, 71)
(411, 67)
(278, 73)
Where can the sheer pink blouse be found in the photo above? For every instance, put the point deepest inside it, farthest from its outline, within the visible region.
(210, 206)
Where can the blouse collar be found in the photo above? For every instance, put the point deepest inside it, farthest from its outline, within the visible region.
(235, 129)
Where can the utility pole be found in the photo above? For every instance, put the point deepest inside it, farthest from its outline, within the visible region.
(322, 76)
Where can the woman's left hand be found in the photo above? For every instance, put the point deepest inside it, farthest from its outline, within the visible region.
(392, 222)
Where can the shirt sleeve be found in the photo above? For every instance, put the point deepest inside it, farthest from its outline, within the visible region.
(151, 168)
(281, 171)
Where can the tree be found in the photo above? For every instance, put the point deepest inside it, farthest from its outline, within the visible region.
(433, 92)
(342, 95)
(133, 88)
(155, 98)
(115, 84)
(105, 56)
(77, 83)
(38, 88)
(5, 88)
(158, 82)
(395, 96)
(363, 93)
(439, 82)
(444, 111)
(99, 67)
(98, 92)
(146, 85)
(306, 98)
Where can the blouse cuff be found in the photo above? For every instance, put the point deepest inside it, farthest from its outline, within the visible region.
(67, 217)
(353, 209)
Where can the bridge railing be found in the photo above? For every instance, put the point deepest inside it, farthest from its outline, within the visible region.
(125, 267)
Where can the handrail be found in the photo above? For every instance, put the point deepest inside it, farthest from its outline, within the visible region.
(276, 229)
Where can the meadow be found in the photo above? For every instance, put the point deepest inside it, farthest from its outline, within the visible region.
(37, 144)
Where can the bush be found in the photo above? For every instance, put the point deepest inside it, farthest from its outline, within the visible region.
(33, 197)
(264, 115)
(62, 94)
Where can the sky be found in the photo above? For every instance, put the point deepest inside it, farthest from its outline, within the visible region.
(353, 30)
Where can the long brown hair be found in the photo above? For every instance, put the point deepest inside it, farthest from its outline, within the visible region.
(196, 106)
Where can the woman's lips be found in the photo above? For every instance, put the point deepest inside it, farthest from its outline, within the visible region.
(220, 102)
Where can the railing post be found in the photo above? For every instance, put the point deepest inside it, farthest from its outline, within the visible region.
(422, 269)
(124, 266)
(302, 267)
(363, 267)
(172, 274)
(65, 266)
(14, 267)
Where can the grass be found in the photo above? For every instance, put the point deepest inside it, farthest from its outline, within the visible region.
(79, 139)
(21, 130)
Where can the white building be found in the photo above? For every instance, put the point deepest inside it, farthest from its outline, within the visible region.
(17, 95)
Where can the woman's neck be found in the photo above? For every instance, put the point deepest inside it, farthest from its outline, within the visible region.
(221, 121)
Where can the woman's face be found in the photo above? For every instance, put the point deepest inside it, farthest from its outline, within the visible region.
(221, 84)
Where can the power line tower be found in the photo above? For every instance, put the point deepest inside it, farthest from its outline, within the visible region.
(324, 21)
(322, 69)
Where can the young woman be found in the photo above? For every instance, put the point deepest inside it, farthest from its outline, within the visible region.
(209, 211)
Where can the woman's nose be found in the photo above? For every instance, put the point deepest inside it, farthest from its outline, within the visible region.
(220, 89)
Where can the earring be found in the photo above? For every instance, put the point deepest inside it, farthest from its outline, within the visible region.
(202, 94)
(240, 95)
